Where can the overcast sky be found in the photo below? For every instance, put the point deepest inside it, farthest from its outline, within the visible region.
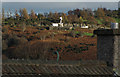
(92, 5)
(74, 3)
(60, 0)
(56, 6)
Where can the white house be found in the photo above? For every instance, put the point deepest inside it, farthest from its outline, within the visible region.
(55, 24)
(58, 24)
(84, 26)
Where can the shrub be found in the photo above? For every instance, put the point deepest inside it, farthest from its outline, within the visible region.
(79, 34)
(69, 46)
(22, 40)
(75, 34)
(5, 36)
(67, 39)
(72, 33)
(4, 44)
(51, 49)
(107, 21)
(4, 29)
(52, 35)
(14, 40)
(42, 37)
(30, 38)
(35, 32)
(23, 27)
(37, 50)
(88, 34)
(4, 57)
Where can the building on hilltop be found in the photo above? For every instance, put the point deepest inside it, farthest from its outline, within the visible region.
(58, 24)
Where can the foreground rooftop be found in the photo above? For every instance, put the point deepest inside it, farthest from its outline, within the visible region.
(34, 68)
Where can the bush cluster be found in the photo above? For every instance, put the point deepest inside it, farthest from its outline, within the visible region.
(75, 34)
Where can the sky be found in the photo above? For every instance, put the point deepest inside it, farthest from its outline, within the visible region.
(111, 5)
(56, 6)
(60, 0)
(92, 5)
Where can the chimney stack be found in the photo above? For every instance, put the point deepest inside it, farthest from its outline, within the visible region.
(108, 45)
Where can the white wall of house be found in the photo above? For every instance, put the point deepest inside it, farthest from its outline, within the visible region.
(55, 24)
(61, 24)
(84, 26)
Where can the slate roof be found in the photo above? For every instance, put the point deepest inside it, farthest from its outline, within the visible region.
(23, 68)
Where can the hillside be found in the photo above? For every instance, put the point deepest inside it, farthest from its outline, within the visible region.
(34, 43)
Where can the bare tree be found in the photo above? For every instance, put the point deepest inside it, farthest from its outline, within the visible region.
(33, 16)
(23, 27)
(3, 14)
(24, 14)
(16, 14)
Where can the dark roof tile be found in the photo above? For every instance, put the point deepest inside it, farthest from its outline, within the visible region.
(78, 68)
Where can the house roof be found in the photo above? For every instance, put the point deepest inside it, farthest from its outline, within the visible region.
(41, 68)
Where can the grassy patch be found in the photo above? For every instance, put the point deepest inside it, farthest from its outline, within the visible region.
(88, 34)
(99, 21)
(77, 32)
(117, 20)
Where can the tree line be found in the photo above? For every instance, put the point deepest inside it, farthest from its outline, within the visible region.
(101, 16)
